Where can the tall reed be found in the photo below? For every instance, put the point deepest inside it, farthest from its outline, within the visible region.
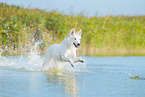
(102, 36)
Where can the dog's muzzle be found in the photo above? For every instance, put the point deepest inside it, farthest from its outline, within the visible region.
(76, 45)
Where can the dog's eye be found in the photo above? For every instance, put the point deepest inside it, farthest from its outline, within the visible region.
(74, 38)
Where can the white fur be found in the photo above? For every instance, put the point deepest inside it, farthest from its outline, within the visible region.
(64, 52)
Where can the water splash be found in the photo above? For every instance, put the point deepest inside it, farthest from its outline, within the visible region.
(33, 62)
(3, 60)
(34, 55)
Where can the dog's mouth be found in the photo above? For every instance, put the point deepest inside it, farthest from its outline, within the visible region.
(76, 45)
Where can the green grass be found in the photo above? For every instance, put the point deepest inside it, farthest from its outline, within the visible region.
(102, 36)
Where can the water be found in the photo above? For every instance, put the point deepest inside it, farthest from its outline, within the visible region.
(88, 7)
(24, 76)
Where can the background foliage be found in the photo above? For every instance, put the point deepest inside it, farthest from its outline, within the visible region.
(102, 36)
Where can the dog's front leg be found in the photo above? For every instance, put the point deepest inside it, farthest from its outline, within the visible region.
(78, 60)
(63, 58)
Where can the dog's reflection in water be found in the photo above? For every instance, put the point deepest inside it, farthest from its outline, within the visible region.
(63, 82)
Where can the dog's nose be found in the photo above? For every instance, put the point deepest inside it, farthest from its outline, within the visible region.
(78, 44)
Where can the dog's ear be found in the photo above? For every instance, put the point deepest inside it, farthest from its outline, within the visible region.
(72, 32)
(80, 33)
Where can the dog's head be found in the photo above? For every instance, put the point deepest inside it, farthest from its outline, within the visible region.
(75, 38)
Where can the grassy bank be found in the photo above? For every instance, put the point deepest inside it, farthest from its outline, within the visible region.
(102, 36)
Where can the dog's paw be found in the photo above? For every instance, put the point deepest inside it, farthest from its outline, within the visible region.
(82, 61)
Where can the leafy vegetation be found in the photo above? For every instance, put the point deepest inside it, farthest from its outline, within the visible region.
(102, 36)
(137, 77)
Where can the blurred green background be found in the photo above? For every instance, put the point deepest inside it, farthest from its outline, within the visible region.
(21, 28)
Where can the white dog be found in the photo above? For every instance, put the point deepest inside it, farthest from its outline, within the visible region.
(66, 51)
